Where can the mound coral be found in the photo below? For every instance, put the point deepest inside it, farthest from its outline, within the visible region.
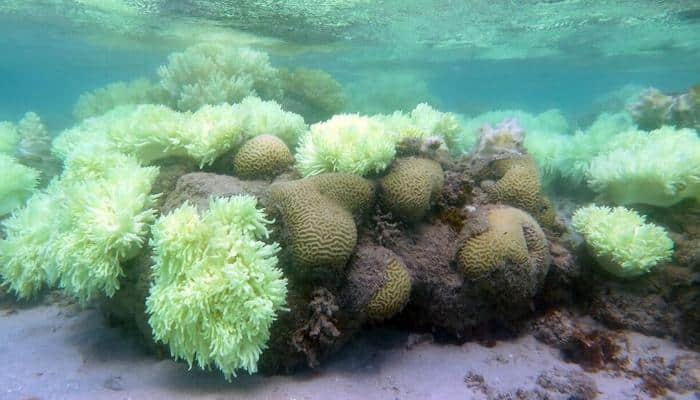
(99, 101)
(216, 288)
(213, 74)
(518, 185)
(317, 214)
(345, 143)
(393, 295)
(18, 183)
(623, 243)
(659, 168)
(80, 228)
(653, 109)
(263, 156)
(511, 258)
(411, 187)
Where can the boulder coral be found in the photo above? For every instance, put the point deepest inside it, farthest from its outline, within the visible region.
(261, 157)
(379, 284)
(518, 184)
(411, 187)
(318, 219)
(510, 258)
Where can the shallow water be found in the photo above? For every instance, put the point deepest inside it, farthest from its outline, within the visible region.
(92, 185)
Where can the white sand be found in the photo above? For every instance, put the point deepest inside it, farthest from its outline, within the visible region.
(57, 352)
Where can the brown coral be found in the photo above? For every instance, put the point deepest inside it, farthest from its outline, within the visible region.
(263, 156)
(394, 294)
(354, 193)
(411, 187)
(511, 257)
(518, 185)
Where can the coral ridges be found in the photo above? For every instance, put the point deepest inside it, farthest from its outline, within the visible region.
(262, 156)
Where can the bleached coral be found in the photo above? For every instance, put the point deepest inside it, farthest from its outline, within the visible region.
(216, 288)
(622, 241)
(79, 230)
(99, 101)
(213, 74)
(17, 183)
(659, 168)
(9, 138)
(346, 143)
(268, 118)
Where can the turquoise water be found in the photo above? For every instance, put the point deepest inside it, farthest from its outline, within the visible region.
(246, 186)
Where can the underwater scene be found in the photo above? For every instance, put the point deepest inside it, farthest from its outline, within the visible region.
(349, 199)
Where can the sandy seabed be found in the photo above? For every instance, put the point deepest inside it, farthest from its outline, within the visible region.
(57, 351)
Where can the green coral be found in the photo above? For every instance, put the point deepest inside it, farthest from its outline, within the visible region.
(217, 288)
(411, 187)
(623, 242)
(659, 168)
(262, 156)
(18, 183)
(213, 74)
(9, 138)
(393, 295)
(79, 230)
(345, 143)
(102, 100)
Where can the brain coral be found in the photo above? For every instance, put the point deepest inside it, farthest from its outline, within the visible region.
(511, 257)
(393, 295)
(518, 184)
(410, 187)
(320, 231)
(379, 283)
(262, 156)
(354, 193)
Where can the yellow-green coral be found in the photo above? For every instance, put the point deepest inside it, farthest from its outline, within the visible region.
(393, 295)
(622, 241)
(659, 168)
(354, 193)
(99, 101)
(411, 186)
(262, 156)
(216, 286)
(518, 185)
(346, 143)
(9, 138)
(17, 184)
(513, 239)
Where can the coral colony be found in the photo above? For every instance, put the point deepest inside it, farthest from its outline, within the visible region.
(243, 222)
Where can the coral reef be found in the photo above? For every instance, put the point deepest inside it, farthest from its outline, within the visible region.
(518, 184)
(411, 187)
(18, 183)
(659, 168)
(345, 143)
(216, 288)
(311, 93)
(654, 109)
(262, 156)
(379, 285)
(511, 256)
(102, 100)
(624, 244)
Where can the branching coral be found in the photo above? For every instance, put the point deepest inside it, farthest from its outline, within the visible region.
(80, 228)
(346, 143)
(151, 132)
(623, 243)
(214, 74)
(99, 101)
(422, 122)
(17, 184)
(217, 288)
(659, 168)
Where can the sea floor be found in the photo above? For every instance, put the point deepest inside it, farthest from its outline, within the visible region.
(55, 350)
